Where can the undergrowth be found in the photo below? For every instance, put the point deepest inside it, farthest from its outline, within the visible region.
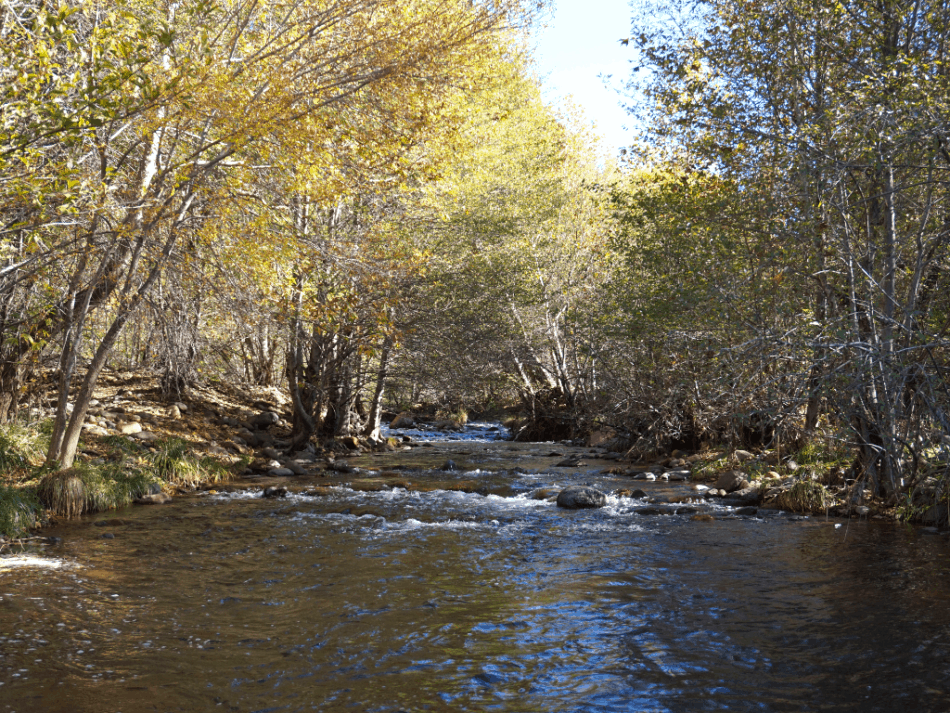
(29, 491)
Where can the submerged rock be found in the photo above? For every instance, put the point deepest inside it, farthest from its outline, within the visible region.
(577, 497)
(154, 499)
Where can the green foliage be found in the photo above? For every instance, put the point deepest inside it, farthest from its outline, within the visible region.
(805, 496)
(91, 488)
(173, 462)
(19, 510)
(821, 452)
(22, 447)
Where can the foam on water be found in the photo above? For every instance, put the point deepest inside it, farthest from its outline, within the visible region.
(18, 561)
(475, 431)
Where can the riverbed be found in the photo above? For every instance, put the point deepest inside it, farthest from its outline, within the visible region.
(417, 584)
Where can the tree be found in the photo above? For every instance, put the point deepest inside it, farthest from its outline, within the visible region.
(836, 108)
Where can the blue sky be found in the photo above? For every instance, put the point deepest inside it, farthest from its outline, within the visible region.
(580, 43)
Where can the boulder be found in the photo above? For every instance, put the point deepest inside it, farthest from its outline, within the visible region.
(147, 436)
(280, 472)
(275, 492)
(577, 497)
(403, 420)
(731, 480)
(743, 456)
(746, 496)
(265, 419)
(129, 428)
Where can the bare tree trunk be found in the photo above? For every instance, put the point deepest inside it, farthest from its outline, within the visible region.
(376, 407)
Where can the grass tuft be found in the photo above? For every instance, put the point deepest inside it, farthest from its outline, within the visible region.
(806, 496)
(90, 488)
(20, 510)
(174, 463)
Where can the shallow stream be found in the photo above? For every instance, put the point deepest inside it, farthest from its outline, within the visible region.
(370, 597)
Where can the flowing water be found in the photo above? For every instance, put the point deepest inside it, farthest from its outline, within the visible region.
(372, 597)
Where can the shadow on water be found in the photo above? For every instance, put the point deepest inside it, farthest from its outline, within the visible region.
(447, 600)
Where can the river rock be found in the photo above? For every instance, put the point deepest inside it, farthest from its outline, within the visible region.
(249, 438)
(731, 480)
(265, 419)
(578, 497)
(154, 499)
(275, 492)
(449, 465)
(278, 472)
(147, 436)
(272, 453)
(743, 456)
(679, 475)
(635, 493)
(234, 446)
(746, 496)
(129, 428)
(403, 420)
(747, 510)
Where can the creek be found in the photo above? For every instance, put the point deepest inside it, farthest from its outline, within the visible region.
(369, 596)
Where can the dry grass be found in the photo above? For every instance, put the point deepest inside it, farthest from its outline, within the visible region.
(806, 496)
